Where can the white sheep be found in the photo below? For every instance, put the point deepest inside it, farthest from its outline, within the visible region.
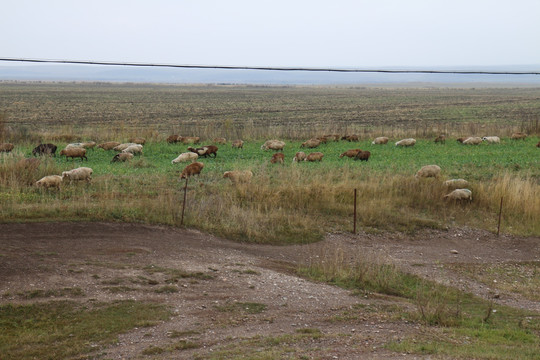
(406, 142)
(50, 182)
(81, 173)
(473, 140)
(299, 156)
(428, 171)
(123, 146)
(380, 140)
(459, 194)
(74, 145)
(134, 149)
(239, 176)
(492, 139)
(273, 145)
(184, 157)
(456, 183)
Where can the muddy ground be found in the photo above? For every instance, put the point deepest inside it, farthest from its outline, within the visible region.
(116, 261)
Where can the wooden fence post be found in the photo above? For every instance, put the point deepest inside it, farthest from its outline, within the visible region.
(184, 203)
(500, 213)
(354, 227)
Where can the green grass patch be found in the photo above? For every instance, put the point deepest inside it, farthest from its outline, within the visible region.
(60, 330)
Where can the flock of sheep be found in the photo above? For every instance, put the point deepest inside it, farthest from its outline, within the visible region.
(126, 151)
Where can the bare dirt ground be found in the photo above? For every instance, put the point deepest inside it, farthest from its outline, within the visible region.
(115, 261)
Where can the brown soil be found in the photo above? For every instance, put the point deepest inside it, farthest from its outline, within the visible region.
(98, 257)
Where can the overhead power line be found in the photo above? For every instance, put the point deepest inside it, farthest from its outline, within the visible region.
(271, 68)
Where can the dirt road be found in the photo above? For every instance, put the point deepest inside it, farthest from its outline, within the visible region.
(112, 261)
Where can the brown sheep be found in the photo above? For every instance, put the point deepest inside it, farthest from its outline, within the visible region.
(29, 163)
(316, 156)
(108, 145)
(6, 147)
(189, 139)
(322, 139)
(333, 137)
(173, 139)
(519, 136)
(73, 153)
(192, 169)
(440, 139)
(300, 156)
(350, 153)
(277, 158)
(221, 141)
(311, 143)
(538, 145)
(350, 138)
(461, 139)
(205, 151)
(238, 144)
(138, 140)
(362, 156)
(122, 157)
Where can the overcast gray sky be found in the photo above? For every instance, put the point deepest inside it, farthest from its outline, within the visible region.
(314, 33)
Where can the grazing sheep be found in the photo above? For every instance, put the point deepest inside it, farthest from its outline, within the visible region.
(192, 169)
(380, 140)
(74, 145)
(322, 139)
(351, 138)
(473, 140)
(538, 145)
(333, 137)
(123, 146)
(461, 139)
(362, 156)
(459, 194)
(51, 181)
(74, 152)
(311, 143)
(406, 142)
(440, 139)
(300, 156)
(122, 157)
(277, 158)
(185, 157)
(89, 144)
(273, 145)
(44, 149)
(239, 144)
(316, 156)
(6, 147)
(138, 140)
(456, 183)
(134, 149)
(428, 171)
(492, 139)
(238, 176)
(78, 174)
(189, 139)
(29, 163)
(108, 145)
(173, 139)
(519, 136)
(221, 141)
(205, 151)
(350, 153)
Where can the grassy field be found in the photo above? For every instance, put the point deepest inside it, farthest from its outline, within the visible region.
(291, 203)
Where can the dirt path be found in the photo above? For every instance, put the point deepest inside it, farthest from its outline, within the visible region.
(111, 261)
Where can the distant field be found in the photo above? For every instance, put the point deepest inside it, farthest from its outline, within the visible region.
(284, 204)
(252, 112)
